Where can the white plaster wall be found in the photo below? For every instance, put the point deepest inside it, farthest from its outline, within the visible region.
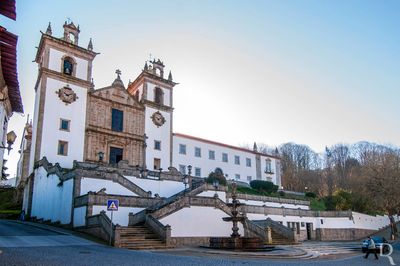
(94, 184)
(120, 217)
(162, 134)
(50, 200)
(80, 216)
(164, 188)
(207, 165)
(54, 110)
(370, 222)
(56, 64)
(210, 193)
(150, 93)
(199, 222)
(34, 128)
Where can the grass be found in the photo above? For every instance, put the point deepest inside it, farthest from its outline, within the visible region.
(317, 205)
(10, 211)
(7, 200)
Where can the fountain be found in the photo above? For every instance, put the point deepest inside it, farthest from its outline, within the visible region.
(236, 242)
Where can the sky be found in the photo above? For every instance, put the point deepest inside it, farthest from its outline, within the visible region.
(310, 72)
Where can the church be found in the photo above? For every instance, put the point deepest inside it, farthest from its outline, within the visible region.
(87, 145)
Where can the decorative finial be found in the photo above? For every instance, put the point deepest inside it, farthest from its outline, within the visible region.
(146, 67)
(170, 76)
(255, 148)
(49, 31)
(118, 72)
(90, 45)
(276, 151)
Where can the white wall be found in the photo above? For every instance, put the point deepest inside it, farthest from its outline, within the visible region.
(34, 127)
(94, 184)
(164, 188)
(80, 216)
(120, 217)
(56, 64)
(163, 134)
(50, 200)
(54, 110)
(199, 222)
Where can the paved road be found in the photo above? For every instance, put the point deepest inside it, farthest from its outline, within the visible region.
(77, 251)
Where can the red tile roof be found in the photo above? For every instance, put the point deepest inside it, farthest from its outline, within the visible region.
(8, 49)
(7, 8)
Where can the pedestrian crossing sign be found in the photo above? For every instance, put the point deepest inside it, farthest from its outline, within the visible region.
(112, 205)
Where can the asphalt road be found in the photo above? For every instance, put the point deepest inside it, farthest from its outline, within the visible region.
(72, 250)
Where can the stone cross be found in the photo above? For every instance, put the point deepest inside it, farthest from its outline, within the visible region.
(118, 72)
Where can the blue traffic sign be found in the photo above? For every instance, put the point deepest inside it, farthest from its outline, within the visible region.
(112, 205)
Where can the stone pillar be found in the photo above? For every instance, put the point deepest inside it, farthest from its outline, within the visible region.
(269, 235)
(168, 241)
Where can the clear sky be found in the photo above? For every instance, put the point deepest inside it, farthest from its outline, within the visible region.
(311, 72)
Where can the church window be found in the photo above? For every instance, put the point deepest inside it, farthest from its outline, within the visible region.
(225, 157)
(182, 149)
(62, 148)
(64, 124)
(248, 162)
(158, 96)
(182, 169)
(237, 176)
(157, 163)
(197, 171)
(197, 152)
(117, 120)
(211, 155)
(115, 155)
(237, 159)
(68, 66)
(157, 145)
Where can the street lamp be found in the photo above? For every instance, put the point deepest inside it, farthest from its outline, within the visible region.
(216, 186)
(11, 136)
(185, 178)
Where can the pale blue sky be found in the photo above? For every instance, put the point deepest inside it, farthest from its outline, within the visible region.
(312, 72)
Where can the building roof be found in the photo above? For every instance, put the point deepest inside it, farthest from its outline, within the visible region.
(7, 8)
(8, 57)
(223, 145)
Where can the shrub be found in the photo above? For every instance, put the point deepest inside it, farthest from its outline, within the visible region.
(216, 176)
(281, 193)
(264, 186)
(311, 195)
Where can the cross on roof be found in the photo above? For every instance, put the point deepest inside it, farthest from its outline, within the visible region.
(118, 72)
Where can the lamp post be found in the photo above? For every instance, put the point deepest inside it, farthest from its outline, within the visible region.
(216, 186)
(101, 156)
(11, 136)
(185, 178)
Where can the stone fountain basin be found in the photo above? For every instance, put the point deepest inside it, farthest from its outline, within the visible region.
(239, 243)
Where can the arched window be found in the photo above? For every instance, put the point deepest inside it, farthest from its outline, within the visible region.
(158, 96)
(68, 66)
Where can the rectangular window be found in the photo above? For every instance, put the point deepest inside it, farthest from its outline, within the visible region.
(64, 124)
(182, 169)
(211, 155)
(197, 171)
(182, 149)
(157, 163)
(237, 176)
(248, 162)
(197, 152)
(117, 120)
(62, 148)
(115, 155)
(268, 168)
(157, 145)
(225, 157)
(249, 178)
(237, 159)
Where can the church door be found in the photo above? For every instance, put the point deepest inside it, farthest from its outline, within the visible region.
(115, 155)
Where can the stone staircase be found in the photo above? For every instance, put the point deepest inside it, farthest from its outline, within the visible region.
(140, 237)
(278, 239)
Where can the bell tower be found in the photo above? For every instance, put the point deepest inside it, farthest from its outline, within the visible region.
(64, 78)
(155, 92)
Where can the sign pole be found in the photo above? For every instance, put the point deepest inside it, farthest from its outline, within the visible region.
(111, 227)
(112, 205)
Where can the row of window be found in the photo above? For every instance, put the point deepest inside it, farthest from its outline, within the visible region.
(197, 172)
(211, 155)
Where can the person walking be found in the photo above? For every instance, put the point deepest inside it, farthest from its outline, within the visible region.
(371, 248)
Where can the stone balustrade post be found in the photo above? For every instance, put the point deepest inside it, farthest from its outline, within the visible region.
(269, 235)
(168, 235)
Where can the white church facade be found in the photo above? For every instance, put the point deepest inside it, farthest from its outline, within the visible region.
(87, 145)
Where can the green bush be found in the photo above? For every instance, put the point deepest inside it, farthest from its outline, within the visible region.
(311, 195)
(281, 193)
(216, 176)
(264, 186)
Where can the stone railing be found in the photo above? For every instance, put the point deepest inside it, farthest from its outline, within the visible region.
(294, 212)
(242, 196)
(137, 218)
(251, 229)
(164, 232)
(102, 222)
(276, 227)
(124, 201)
